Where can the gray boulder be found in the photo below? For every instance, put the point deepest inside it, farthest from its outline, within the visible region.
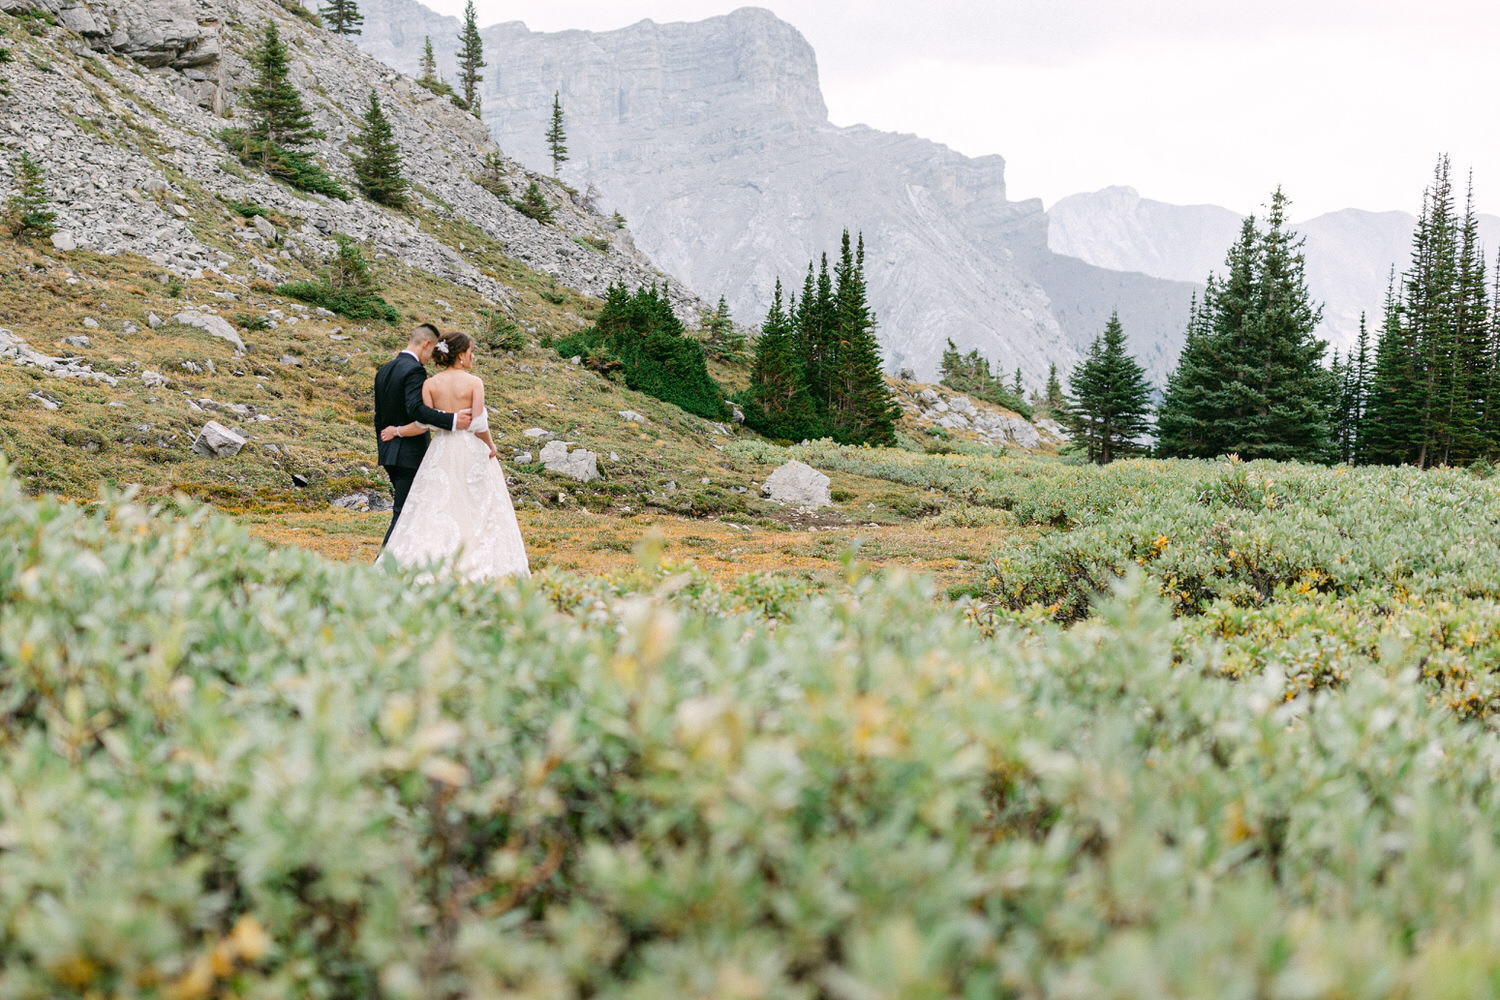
(217, 441)
(365, 501)
(799, 485)
(580, 464)
(214, 325)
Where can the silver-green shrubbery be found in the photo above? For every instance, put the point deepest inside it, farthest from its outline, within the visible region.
(228, 770)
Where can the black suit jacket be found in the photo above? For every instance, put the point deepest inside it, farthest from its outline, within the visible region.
(398, 400)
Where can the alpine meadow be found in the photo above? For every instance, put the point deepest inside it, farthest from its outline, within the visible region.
(1062, 673)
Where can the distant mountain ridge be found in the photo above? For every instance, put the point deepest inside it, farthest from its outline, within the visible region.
(713, 140)
(1349, 253)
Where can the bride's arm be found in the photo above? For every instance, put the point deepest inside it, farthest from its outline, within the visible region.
(477, 406)
(404, 431)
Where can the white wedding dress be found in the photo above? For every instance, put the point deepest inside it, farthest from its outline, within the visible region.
(458, 518)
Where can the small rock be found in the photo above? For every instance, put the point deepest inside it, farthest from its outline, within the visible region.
(299, 481)
(79, 341)
(613, 457)
(737, 416)
(632, 416)
(153, 380)
(64, 241)
(91, 322)
(217, 441)
(536, 432)
(266, 230)
(798, 484)
(576, 359)
(153, 320)
(290, 361)
(45, 402)
(193, 367)
(521, 458)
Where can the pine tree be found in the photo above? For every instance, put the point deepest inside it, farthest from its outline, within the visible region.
(1052, 396)
(721, 339)
(1016, 385)
(470, 59)
(556, 138)
(1250, 378)
(28, 214)
(860, 407)
(278, 120)
(1111, 398)
(378, 164)
(817, 333)
(777, 403)
(342, 17)
(429, 64)
(533, 205)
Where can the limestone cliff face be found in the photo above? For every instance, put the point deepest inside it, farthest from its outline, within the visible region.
(713, 140)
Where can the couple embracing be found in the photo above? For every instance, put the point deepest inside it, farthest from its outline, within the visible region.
(451, 504)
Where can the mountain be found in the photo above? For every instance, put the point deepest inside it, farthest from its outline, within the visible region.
(713, 140)
(1349, 253)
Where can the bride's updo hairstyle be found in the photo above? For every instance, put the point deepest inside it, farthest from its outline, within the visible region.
(449, 346)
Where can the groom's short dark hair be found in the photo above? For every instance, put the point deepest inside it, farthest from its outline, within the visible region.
(424, 331)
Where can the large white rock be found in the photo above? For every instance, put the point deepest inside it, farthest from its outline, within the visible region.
(799, 485)
(215, 325)
(217, 441)
(580, 464)
(64, 241)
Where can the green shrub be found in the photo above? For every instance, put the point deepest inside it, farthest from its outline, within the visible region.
(642, 335)
(297, 169)
(348, 286)
(232, 770)
(534, 205)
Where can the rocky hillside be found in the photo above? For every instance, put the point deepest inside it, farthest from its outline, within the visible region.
(1349, 253)
(121, 106)
(712, 138)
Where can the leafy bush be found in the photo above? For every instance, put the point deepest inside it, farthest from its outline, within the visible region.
(252, 322)
(245, 209)
(233, 770)
(501, 333)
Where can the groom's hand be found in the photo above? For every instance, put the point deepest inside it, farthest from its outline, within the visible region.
(462, 419)
(389, 433)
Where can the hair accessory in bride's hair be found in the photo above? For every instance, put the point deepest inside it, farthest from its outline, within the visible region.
(441, 348)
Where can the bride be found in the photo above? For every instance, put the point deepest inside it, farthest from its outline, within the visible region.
(459, 510)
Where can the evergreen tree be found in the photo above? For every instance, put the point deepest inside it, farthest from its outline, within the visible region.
(378, 164)
(643, 337)
(777, 403)
(817, 334)
(278, 120)
(1052, 396)
(860, 407)
(533, 205)
(1250, 378)
(1111, 398)
(28, 214)
(721, 339)
(1016, 385)
(470, 59)
(342, 17)
(429, 64)
(557, 139)
(1392, 407)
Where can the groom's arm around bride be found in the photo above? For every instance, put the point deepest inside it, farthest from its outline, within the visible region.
(398, 400)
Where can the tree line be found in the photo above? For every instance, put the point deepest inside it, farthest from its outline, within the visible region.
(1251, 378)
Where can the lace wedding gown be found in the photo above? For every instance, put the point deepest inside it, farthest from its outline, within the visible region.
(458, 517)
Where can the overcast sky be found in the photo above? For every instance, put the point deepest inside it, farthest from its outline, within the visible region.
(1344, 104)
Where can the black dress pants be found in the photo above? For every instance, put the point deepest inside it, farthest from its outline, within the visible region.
(401, 480)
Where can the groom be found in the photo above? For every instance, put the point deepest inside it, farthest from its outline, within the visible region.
(398, 400)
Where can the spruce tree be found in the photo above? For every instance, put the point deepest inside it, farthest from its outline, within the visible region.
(1017, 386)
(342, 17)
(429, 75)
(533, 205)
(557, 139)
(1250, 378)
(860, 407)
(1052, 396)
(378, 164)
(721, 340)
(278, 120)
(777, 403)
(1111, 407)
(28, 214)
(470, 59)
